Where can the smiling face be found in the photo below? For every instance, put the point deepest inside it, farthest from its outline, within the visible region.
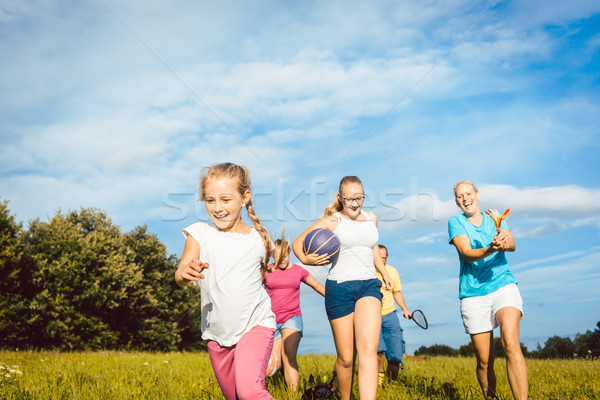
(224, 204)
(352, 198)
(467, 199)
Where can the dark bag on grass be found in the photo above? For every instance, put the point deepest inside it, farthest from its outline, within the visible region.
(321, 392)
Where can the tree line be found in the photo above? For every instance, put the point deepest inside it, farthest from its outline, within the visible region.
(78, 283)
(584, 345)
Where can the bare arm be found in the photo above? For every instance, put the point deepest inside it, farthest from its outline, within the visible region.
(463, 246)
(389, 284)
(378, 261)
(190, 267)
(315, 284)
(329, 222)
(504, 241)
(400, 300)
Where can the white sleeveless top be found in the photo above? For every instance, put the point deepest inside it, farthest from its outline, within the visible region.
(233, 298)
(357, 239)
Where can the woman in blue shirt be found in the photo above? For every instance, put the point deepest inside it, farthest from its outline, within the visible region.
(489, 296)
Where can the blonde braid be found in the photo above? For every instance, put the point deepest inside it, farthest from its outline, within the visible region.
(266, 238)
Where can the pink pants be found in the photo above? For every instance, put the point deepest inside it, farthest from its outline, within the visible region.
(240, 369)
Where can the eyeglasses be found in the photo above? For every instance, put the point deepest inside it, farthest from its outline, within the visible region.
(350, 200)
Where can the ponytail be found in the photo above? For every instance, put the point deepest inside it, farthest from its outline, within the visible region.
(284, 250)
(334, 207)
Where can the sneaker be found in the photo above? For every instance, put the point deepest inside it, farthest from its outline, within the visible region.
(381, 378)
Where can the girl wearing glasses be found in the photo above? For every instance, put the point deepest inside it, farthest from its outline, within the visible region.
(352, 290)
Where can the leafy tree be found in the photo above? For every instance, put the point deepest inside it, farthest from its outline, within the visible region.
(557, 347)
(85, 285)
(160, 299)
(466, 350)
(588, 344)
(10, 231)
(10, 274)
(436, 350)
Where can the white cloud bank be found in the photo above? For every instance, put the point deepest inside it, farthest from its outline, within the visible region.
(538, 211)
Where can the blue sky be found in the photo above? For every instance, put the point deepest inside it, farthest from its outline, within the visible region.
(119, 105)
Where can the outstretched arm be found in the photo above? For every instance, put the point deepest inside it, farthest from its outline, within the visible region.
(315, 284)
(190, 267)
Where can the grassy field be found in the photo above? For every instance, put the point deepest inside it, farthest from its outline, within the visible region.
(130, 375)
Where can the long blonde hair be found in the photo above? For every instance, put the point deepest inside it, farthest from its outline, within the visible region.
(284, 250)
(337, 203)
(241, 175)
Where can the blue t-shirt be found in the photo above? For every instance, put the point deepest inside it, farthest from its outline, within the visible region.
(489, 274)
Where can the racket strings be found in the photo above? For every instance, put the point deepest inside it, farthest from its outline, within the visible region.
(419, 319)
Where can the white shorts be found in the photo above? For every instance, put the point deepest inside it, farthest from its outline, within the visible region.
(479, 312)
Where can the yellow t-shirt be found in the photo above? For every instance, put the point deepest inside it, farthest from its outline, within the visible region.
(387, 303)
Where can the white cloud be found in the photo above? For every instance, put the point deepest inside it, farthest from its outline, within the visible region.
(539, 211)
(570, 201)
(551, 228)
(431, 260)
(578, 274)
(546, 260)
(538, 12)
(431, 238)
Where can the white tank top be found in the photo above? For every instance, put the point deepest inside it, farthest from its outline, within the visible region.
(357, 239)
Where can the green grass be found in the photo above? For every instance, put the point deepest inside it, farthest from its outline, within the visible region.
(130, 375)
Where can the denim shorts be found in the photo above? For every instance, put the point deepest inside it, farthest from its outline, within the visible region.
(340, 298)
(294, 323)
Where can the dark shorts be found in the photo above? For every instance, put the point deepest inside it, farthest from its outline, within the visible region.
(340, 298)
